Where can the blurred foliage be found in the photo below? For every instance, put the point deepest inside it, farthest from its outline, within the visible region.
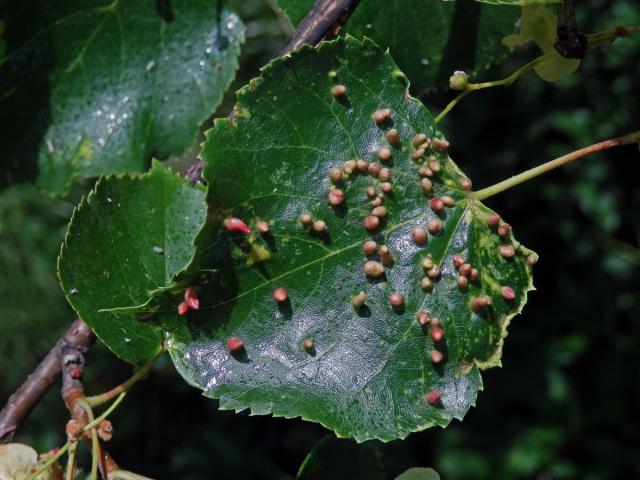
(565, 404)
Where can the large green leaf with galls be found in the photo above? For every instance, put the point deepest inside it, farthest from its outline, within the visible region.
(429, 39)
(129, 237)
(99, 86)
(369, 370)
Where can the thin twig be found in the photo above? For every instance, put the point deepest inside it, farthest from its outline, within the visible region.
(71, 461)
(592, 40)
(324, 20)
(38, 383)
(570, 157)
(96, 400)
(51, 460)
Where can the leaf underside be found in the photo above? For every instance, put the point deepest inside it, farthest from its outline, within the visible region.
(429, 39)
(128, 238)
(370, 368)
(98, 87)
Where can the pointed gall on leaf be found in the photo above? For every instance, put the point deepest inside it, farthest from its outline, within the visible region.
(480, 303)
(374, 169)
(362, 165)
(419, 235)
(532, 259)
(464, 269)
(436, 357)
(379, 212)
(384, 175)
(493, 220)
(373, 269)
(504, 229)
(234, 344)
(462, 282)
(358, 301)
(385, 256)
(336, 197)
(263, 226)
(384, 154)
(236, 225)
(319, 226)
(433, 398)
(434, 166)
(381, 116)
(426, 185)
(508, 293)
(448, 201)
(308, 344)
(183, 309)
(396, 300)
(349, 166)
(417, 155)
(465, 183)
(338, 91)
(370, 248)
(281, 295)
(423, 318)
(440, 144)
(386, 187)
(305, 219)
(437, 334)
(473, 274)
(426, 284)
(419, 139)
(436, 323)
(191, 298)
(436, 204)
(371, 222)
(507, 251)
(458, 260)
(434, 226)
(335, 175)
(393, 137)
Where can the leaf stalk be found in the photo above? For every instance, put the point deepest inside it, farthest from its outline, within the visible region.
(628, 139)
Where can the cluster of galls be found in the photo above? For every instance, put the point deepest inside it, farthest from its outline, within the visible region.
(434, 326)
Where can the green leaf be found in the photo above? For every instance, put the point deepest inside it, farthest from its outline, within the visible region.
(417, 473)
(538, 24)
(95, 87)
(429, 39)
(339, 459)
(369, 369)
(128, 238)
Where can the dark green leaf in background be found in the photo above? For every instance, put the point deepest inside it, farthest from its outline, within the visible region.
(418, 473)
(341, 459)
(369, 370)
(98, 87)
(429, 39)
(129, 237)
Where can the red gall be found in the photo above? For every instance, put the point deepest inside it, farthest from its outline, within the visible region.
(234, 344)
(281, 295)
(236, 225)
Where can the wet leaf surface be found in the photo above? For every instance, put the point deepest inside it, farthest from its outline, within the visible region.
(364, 372)
(129, 237)
(98, 87)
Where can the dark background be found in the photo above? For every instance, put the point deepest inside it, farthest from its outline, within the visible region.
(565, 404)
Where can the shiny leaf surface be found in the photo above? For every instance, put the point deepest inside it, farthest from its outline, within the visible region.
(129, 237)
(369, 372)
(98, 87)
